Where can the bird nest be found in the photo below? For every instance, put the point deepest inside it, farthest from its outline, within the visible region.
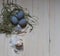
(15, 18)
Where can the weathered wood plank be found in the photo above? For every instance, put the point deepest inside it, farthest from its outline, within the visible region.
(55, 27)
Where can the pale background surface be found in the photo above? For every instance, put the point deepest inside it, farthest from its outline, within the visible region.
(43, 40)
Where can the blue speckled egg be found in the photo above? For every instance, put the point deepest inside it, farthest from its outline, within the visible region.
(23, 23)
(14, 20)
(20, 15)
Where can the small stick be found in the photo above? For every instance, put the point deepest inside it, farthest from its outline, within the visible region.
(12, 1)
(3, 2)
(15, 1)
(7, 1)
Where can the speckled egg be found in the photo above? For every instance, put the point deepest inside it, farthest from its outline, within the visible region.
(14, 20)
(23, 23)
(20, 15)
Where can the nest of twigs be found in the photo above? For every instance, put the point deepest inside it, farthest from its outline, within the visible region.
(9, 10)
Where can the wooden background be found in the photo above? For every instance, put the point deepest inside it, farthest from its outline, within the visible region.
(43, 40)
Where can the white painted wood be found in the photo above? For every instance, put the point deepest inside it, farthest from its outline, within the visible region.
(2, 44)
(38, 43)
(52, 27)
(44, 25)
(55, 27)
